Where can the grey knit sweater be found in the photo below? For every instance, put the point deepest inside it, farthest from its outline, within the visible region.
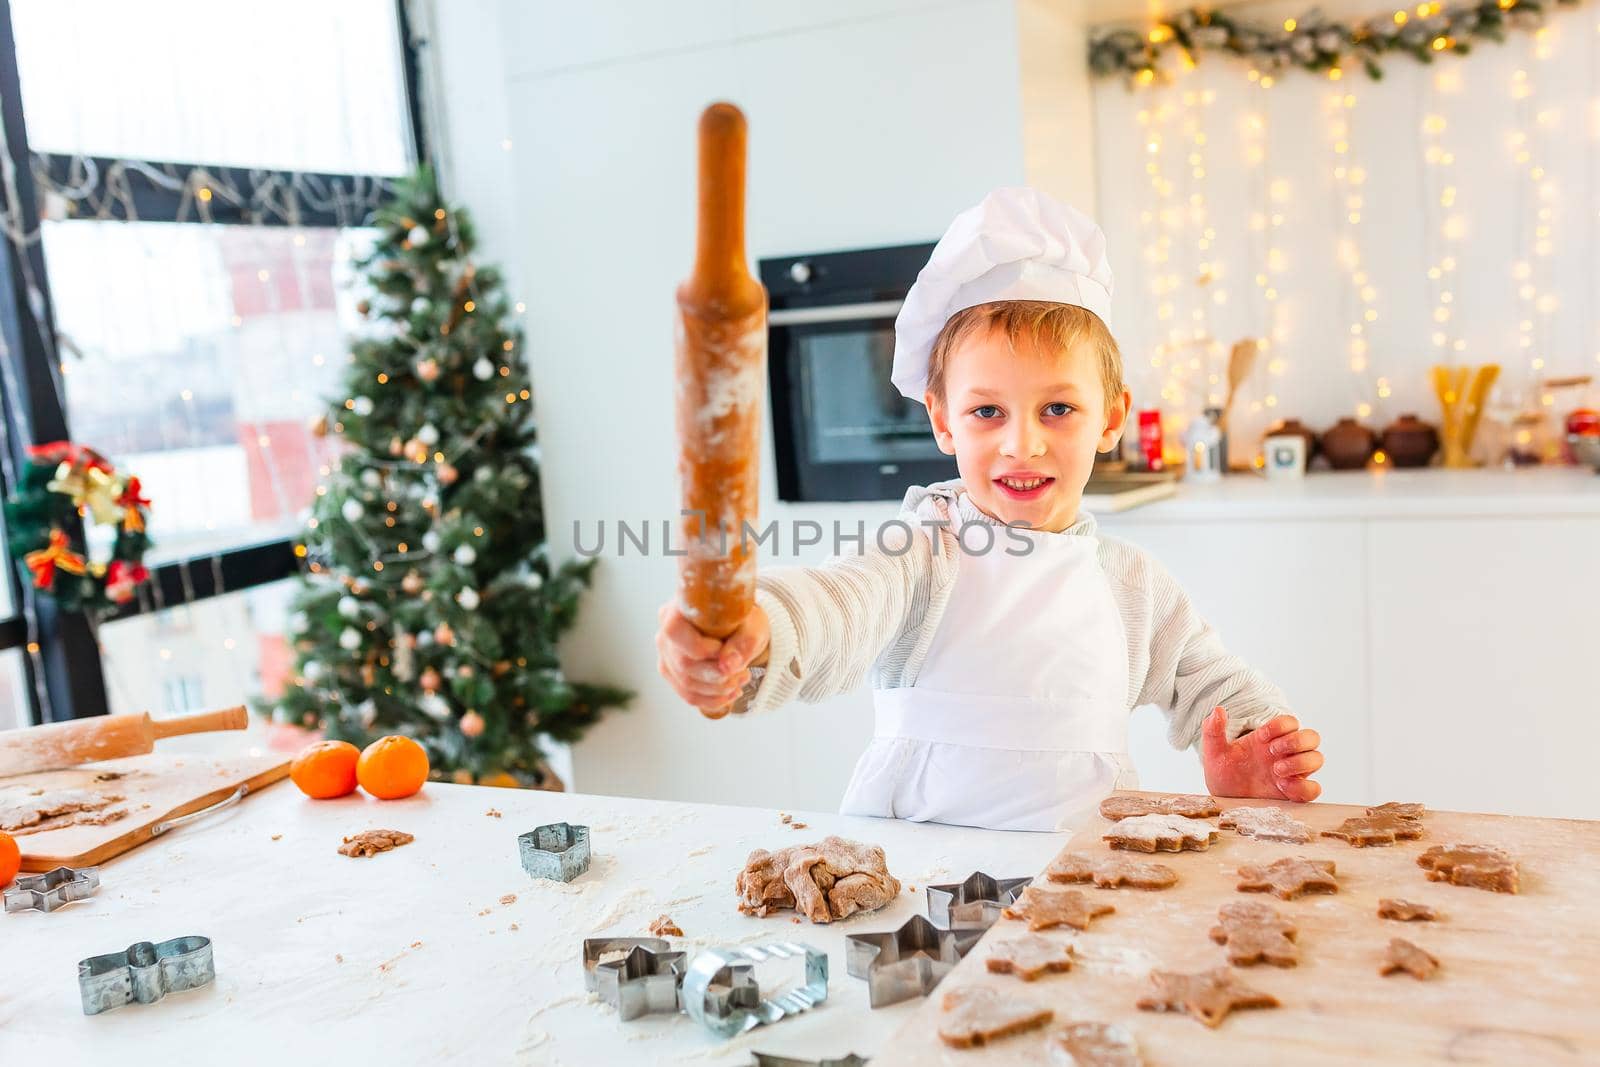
(874, 615)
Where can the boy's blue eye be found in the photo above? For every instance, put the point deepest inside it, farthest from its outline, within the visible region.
(987, 407)
(1050, 409)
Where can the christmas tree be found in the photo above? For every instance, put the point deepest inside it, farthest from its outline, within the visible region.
(431, 607)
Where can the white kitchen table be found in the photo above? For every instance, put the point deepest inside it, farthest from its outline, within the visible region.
(409, 957)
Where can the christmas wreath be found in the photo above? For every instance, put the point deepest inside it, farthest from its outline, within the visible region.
(61, 483)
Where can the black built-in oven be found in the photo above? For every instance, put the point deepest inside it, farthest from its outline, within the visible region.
(840, 429)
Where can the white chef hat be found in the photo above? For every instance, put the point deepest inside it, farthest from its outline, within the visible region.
(1018, 244)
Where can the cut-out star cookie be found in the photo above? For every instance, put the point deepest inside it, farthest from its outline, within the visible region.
(1405, 910)
(1364, 830)
(1092, 1045)
(1255, 933)
(1266, 824)
(1288, 878)
(1478, 866)
(977, 1015)
(1404, 811)
(1111, 871)
(1209, 996)
(1029, 957)
(1126, 807)
(1402, 955)
(1044, 908)
(1161, 833)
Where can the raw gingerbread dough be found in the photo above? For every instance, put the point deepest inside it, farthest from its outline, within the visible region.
(1044, 908)
(1161, 833)
(664, 927)
(1255, 933)
(1266, 824)
(1092, 1045)
(976, 1015)
(1386, 829)
(1126, 807)
(1402, 955)
(1111, 872)
(1405, 910)
(372, 842)
(829, 880)
(1029, 957)
(1478, 866)
(35, 811)
(1209, 996)
(1288, 878)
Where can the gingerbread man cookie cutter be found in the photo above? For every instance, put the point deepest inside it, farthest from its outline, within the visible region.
(558, 851)
(145, 973)
(974, 904)
(908, 962)
(52, 889)
(721, 993)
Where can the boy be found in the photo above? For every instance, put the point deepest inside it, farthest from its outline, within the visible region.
(1007, 641)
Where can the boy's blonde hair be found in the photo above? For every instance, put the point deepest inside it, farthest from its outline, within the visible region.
(1051, 326)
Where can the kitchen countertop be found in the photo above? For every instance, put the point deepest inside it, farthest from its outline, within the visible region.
(409, 956)
(1380, 494)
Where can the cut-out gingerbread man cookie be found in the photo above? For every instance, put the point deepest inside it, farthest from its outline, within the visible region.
(1364, 830)
(1111, 871)
(1288, 878)
(1160, 833)
(1029, 957)
(1266, 824)
(1092, 1045)
(1209, 996)
(1044, 908)
(1191, 807)
(1405, 910)
(1255, 933)
(1478, 866)
(977, 1015)
(1402, 955)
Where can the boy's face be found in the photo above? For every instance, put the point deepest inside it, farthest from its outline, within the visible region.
(1024, 426)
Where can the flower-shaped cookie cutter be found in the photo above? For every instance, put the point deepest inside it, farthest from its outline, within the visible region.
(644, 981)
(52, 889)
(908, 962)
(145, 973)
(974, 904)
(721, 993)
(559, 851)
(596, 949)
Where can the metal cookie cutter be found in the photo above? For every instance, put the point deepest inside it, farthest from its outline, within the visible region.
(144, 973)
(764, 1059)
(53, 889)
(559, 851)
(643, 981)
(721, 993)
(907, 962)
(974, 904)
(595, 948)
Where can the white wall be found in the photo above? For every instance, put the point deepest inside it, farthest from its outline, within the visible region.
(870, 123)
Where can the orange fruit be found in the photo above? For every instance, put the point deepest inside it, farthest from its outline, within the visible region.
(392, 767)
(326, 769)
(10, 859)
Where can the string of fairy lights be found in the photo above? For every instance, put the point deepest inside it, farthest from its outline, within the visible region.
(1177, 226)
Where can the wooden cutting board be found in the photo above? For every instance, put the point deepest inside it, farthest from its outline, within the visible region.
(154, 788)
(1516, 984)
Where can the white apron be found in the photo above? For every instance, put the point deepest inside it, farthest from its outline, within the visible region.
(1018, 719)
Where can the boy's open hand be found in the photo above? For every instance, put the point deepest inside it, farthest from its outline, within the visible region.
(704, 671)
(1274, 761)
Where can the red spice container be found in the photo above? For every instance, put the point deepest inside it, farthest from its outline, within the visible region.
(1150, 440)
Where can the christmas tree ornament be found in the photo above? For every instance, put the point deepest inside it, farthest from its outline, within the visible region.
(350, 639)
(446, 474)
(472, 724)
(352, 510)
(349, 607)
(464, 671)
(468, 599)
(411, 583)
(431, 539)
(444, 634)
(483, 474)
(428, 434)
(417, 236)
(312, 671)
(483, 370)
(362, 406)
(430, 680)
(419, 305)
(371, 478)
(396, 446)
(427, 369)
(465, 555)
(434, 706)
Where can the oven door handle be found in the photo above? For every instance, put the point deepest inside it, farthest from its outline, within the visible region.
(877, 309)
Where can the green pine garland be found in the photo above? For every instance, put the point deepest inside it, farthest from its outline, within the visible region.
(432, 607)
(1313, 43)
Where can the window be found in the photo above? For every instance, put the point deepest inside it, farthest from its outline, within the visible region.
(202, 184)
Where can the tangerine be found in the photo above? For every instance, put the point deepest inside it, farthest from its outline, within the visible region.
(392, 767)
(10, 859)
(326, 769)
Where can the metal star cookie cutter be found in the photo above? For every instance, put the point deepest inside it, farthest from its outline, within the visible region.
(974, 904)
(765, 1059)
(559, 851)
(721, 993)
(644, 981)
(144, 973)
(908, 962)
(595, 948)
(53, 889)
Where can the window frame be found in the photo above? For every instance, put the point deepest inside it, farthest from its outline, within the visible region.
(67, 658)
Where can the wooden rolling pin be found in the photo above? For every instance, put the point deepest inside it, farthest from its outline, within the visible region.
(67, 744)
(721, 369)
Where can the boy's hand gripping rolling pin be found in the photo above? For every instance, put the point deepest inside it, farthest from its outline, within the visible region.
(721, 368)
